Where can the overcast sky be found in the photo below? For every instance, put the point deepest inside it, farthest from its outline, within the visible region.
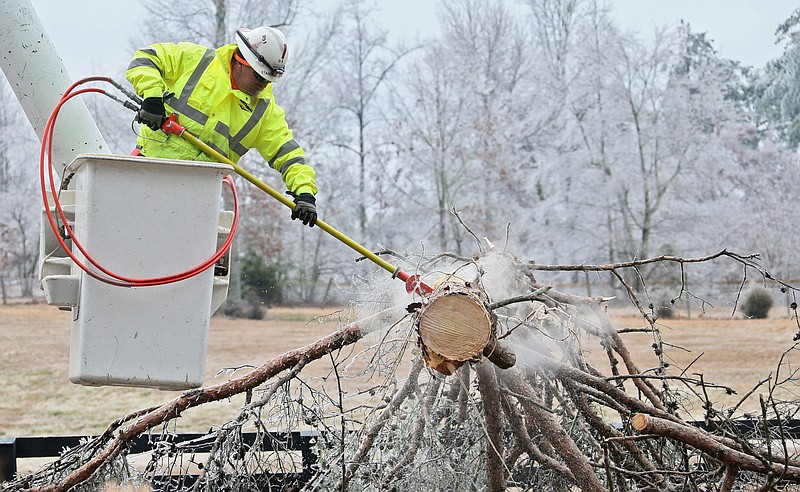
(742, 30)
(93, 36)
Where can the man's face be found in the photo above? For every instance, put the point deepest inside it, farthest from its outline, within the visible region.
(248, 80)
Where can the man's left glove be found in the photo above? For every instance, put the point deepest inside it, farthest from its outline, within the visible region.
(152, 113)
(305, 208)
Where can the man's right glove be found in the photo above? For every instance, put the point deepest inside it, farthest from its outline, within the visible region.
(152, 113)
(305, 208)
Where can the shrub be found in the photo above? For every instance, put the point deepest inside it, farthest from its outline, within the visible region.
(249, 308)
(665, 310)
(261, 279)
(757, 303)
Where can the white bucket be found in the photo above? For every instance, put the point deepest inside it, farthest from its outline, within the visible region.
(144, 218)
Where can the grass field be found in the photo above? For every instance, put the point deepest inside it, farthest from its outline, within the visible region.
(734, 352)
(37, 399)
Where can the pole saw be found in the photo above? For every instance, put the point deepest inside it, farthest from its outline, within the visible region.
(413, 282)
(171, 127)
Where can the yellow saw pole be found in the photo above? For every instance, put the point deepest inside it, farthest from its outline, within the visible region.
(413, 283)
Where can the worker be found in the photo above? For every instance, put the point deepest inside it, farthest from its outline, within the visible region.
(224, 97)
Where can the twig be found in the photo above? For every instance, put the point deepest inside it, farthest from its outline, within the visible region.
(643, 261)
(533, 296)
(368, 439)
(416, 436)
(455, 214)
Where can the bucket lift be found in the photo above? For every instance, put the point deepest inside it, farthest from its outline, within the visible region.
(154, 217)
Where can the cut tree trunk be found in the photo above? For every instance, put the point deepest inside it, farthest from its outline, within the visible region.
(455, 326)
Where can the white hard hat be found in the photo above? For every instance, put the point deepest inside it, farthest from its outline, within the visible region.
(265, 50)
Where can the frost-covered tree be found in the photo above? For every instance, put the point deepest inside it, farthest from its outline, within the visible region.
(779, 86)
(469, 112)
(20, 204)
(431, 115)
(211, 22)
(644, 122)
(365, 60)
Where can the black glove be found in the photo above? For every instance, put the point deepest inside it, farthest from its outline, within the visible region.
(305, 208)
(152, 113)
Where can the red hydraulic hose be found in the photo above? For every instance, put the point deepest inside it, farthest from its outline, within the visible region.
(106, 275)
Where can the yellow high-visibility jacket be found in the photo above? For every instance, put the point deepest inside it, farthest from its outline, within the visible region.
(228, 120)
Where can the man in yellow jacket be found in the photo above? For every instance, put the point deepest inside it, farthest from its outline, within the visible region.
(223, 97)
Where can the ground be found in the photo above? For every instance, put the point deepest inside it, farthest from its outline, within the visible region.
(37, 399)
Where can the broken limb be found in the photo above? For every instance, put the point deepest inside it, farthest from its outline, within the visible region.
(714, 448)
(574, 458)
(368, 439)
(559, 420)
(492, 414)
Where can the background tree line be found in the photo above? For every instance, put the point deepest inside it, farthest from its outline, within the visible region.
(541, 124)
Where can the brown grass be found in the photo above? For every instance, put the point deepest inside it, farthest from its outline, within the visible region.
(733, 352)
(36, 397)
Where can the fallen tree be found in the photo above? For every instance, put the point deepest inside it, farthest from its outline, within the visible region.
(497, 392)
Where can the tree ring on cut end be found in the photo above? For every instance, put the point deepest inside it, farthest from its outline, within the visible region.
(454, 327)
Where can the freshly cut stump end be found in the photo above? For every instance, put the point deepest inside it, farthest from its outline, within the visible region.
(640, 422)
(453, 328)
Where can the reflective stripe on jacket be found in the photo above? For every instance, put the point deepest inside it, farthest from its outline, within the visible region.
(228, 120)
